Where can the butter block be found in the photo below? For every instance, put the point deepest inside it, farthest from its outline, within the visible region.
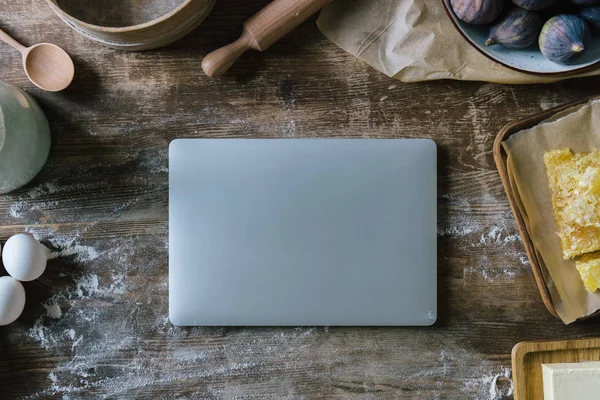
(572, 381)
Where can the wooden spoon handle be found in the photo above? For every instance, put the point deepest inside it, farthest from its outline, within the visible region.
(5, 37)
(262, 30)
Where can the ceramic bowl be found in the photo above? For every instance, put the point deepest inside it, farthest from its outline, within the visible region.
(24, 138)
(528, 60)
(132, 24)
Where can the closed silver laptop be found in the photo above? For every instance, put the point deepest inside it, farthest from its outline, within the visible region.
(302, 232)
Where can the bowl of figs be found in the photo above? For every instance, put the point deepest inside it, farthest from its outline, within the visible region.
(532, 36)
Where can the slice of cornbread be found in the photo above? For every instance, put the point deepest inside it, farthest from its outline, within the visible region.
(589, 269)
(575, 183)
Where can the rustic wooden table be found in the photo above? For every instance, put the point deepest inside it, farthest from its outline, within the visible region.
(95, 325)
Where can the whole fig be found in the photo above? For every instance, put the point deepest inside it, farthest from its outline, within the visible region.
(517, 29)
(563, 38)
(477, 11)
(534, 5)
(585, 2)
(591, 15)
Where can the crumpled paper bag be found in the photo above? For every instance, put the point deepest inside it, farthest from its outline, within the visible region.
(414, 40)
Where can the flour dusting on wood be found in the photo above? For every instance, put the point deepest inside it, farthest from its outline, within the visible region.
(497, 386)
(495, 237)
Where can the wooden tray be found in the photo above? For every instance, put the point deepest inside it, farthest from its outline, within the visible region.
(528, 357)
(500, 159)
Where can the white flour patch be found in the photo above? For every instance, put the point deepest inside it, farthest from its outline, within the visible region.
(48, 329)
(462, 229)
(81, 253)
(52, 309)
(290, 129)
(21, 208)
(118, 284)
(44, 189)
(457, 226)
(491, 387)
(491, 271)
(87, 286)
(443, 355)
(76, 342)
(17, 210)
(41, 334)
(71, 334)
(498, 236)
(509, 273)
(42, 199)
(493, 237)
(64, 245)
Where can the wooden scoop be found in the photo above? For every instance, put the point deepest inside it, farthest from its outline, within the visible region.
(262, 30)
(48, 66)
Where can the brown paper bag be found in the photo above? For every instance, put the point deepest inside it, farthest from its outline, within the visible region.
(414, 40)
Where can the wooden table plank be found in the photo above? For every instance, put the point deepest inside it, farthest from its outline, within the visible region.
(95, 325)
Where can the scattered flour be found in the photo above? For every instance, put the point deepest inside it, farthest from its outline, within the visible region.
(64, 245)
(44, 189)
(458, 226)
(467, 228)
(20, 209)
(87, 286)
(496, 235)
(289, 130)
(76, 342)
(495, 238)
(71, 334)
(52, 309)
(16, 210)
(490, 387)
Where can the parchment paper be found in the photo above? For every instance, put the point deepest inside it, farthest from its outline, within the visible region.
(579, 130)
(413, 40)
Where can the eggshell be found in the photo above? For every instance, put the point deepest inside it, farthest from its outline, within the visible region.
(12, 299)
(24, 257)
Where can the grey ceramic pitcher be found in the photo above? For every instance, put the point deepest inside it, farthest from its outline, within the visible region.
(24, 138)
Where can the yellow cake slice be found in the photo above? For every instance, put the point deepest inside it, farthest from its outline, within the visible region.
(575, 183)
(589, 269)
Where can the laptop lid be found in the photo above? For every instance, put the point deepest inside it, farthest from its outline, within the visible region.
(302, 232)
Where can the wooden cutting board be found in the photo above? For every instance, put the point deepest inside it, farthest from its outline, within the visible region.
(528, 357)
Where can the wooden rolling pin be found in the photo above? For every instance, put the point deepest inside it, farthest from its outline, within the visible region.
(262, 30)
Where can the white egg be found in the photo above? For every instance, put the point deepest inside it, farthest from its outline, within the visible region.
(12, 299)
(24, 257)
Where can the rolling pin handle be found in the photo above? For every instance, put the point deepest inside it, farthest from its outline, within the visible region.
(219, 61)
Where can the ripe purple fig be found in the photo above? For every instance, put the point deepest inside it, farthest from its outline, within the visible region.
(564, 38)
(534, 5)
(477, 11)
(517, 29)
(591, 15)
